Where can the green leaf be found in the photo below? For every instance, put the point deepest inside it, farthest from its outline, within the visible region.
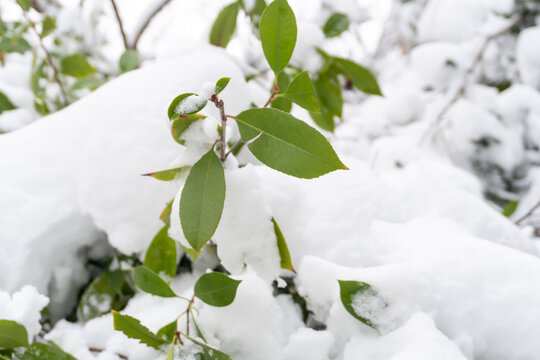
(129, 61)
(202, 199)
(12, 334)
(348, 291)
(287, 144)
(323, 120)
(282, 104)
(216, 289)
(185, 104)
(362, 78)
(5, 103)
(150, 282)
(42, 351)
(181, 123)
(77, 66)
(133, 329)
(209, 353)
(25, 4)
(169, 174)
(170, 354)
(329, 94)
(161, 254)
(221, 84)
(109, 291)
(336, 24)
(48, 26)
(300, 91)
(224, 26)
(510, 208)
(91, 83)
(15, 44)
(278, 34)
(167, 332)
(284, 254)
(165, 215)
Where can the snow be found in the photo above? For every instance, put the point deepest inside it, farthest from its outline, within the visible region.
(417, 217)
(527, 56)
(24, 307)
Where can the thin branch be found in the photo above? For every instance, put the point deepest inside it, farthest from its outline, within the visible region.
(527, 214)
(461, 90)
(222, 140)
(147, 22)
(188, 312)
(120, 24)
(49, 58)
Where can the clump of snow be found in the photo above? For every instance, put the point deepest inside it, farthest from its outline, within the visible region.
(307, 343)
(24, 307)
(527, 54)
(371, 306)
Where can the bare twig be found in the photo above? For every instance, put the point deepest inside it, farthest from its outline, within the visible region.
(120, 24)
(222, 140)
(528, 214)
(49, 58)
(145, 24)
(188, 312)
(461, 90)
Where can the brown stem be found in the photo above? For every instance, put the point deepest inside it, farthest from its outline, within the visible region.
(120, 24)
(49, 58)
(528, 214)
(188, 311)
(147, 22)
(222, 140)
(272, 97)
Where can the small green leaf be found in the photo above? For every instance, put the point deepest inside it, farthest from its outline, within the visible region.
(202, 200)
(284, 254)
(351, 289)
(133, 329)
(48, 26)
(329, 94)
(25, 4)
(150, 282)
(185, 104)
(510, 208)
(278, 34)
(109, 291)
(161, 254)
(129, 61)
(336, 24)
(181, 123)
(224, 26)
(42, 351)
(77, 66)
(323, 120)
(91, 83)
(256, 12)
(216, 289)
(282, 103)
(167, 332)
(12, 334)
(209, 353)
(287, 144)
(170, 354)
(362, 78)
(169, 174)
(300, 91)
(221, 84)
(5, 103)
(165, 215)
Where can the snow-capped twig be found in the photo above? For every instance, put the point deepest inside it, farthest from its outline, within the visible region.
(435, 126)
(528, 214)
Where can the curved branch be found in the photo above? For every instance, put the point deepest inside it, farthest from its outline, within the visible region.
(120, 24)
(147, 22)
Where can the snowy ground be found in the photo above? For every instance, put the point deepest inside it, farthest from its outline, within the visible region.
(414, 216)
